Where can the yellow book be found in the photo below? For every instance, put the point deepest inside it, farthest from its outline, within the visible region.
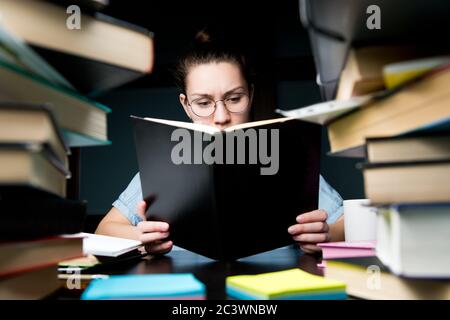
(288, 284)
(420, 107)
(396, 74)
(363, 74)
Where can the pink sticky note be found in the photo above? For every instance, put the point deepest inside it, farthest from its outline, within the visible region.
(336, 250)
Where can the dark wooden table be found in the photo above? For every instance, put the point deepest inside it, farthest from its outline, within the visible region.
(212, 273)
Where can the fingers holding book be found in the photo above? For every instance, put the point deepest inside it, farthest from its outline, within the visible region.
(311, 228)
(153, 233)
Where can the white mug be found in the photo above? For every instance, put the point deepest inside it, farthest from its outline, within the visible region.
(360, 220)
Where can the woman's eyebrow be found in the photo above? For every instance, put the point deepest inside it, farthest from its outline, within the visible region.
(232, 90)
(226, 93)
(202, 95)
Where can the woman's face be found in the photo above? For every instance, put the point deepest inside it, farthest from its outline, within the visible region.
(206, 84)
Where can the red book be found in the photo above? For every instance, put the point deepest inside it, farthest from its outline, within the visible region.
(23, 256)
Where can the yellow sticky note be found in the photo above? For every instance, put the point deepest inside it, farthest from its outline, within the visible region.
(283, 283)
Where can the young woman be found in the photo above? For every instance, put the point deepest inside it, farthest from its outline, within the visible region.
(217, 90)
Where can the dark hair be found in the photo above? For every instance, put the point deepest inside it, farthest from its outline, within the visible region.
(205, 49)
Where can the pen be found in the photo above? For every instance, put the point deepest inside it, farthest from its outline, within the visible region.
(82, 276)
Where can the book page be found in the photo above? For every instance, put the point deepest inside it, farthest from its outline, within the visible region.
(210, 129)
(256, 124)
(180, 124)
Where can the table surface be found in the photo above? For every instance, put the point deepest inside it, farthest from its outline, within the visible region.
(212, 273)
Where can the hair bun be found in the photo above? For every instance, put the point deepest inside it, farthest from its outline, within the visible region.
(202, 37)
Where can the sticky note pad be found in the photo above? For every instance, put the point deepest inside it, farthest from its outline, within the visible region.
(288, 284)
(148, 286)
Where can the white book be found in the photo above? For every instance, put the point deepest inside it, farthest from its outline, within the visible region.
(100, 245)
(414, 240)
(322, 113)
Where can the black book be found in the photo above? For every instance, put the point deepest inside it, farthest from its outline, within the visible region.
(228, 210)
(88, 76)
(28, 213)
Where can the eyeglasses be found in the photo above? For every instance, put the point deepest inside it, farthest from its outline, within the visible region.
(234, 103)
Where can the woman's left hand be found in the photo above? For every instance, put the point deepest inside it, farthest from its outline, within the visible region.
(311, 229)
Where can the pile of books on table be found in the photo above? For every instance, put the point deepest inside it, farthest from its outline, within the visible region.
(49, 76)
(401, 126)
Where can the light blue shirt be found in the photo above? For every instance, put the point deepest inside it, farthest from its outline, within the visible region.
(329, 200)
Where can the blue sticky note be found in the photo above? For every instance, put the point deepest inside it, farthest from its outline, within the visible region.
(148, 286)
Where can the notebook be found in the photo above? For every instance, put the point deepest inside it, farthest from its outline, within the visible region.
(100, 245)
(182, 286)
(293, 284)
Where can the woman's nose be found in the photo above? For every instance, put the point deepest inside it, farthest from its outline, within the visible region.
(221, 114)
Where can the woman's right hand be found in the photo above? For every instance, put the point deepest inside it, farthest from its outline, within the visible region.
(153, 233)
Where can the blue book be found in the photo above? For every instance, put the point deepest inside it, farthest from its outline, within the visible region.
(149, 286)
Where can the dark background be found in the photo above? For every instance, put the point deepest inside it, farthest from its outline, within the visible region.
(278, 46)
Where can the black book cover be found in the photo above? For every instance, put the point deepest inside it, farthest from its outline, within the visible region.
(27, 213)
(88, 76)
(229, 211)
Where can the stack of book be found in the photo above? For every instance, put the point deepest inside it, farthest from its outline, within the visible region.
(34, 211)
(101, 253)
(407, 177)
(28, 268)
(407, 143)
(49, 75)
(358, 264)
(63, 67)
(293, 284)
(393, 108)
(369, 278)
(416, 107)
(404, 135)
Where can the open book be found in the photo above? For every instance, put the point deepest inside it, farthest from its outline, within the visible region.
(230, 193)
